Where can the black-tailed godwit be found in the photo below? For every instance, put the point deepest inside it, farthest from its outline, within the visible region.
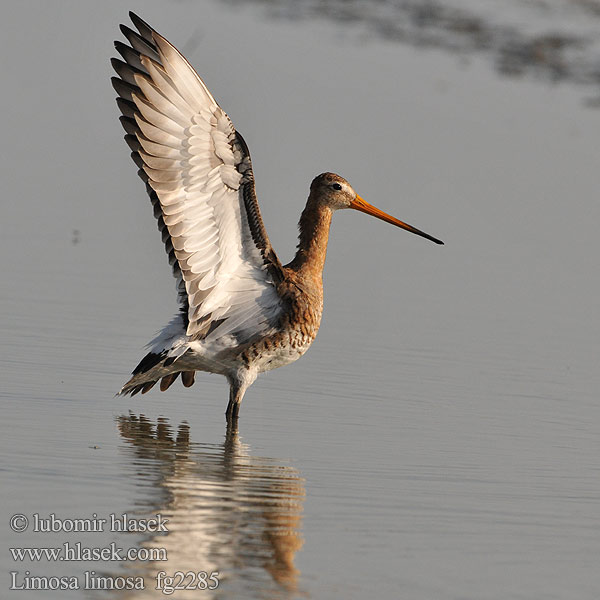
(241, 311)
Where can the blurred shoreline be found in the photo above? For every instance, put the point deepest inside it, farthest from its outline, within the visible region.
(552, 40)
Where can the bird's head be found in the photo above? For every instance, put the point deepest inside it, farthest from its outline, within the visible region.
(335, 192)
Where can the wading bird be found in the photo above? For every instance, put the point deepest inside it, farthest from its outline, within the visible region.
(241, 311)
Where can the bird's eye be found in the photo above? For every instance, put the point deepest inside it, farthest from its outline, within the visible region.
(336, 186)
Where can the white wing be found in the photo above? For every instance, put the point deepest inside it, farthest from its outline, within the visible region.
(199, 176)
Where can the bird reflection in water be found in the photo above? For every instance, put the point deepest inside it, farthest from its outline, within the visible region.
(228, 511)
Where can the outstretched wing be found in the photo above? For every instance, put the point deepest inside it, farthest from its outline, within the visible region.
(199, 177)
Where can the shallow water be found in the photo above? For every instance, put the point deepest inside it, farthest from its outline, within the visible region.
(440, 438)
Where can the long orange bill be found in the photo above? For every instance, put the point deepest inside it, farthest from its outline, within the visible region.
(363, 206)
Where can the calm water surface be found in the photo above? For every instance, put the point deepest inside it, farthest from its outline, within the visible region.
(440, 439)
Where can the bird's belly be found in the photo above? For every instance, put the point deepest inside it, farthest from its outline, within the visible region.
(278, 351)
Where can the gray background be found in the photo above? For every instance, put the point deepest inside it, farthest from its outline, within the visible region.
(440, 439)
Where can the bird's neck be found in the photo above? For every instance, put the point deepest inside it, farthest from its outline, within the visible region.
(312, 245)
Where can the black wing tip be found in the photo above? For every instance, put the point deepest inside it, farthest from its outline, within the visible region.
(127, 107)
(141, 25)
(121, 47)
(125, 29)
(135, 37)
(137, 20)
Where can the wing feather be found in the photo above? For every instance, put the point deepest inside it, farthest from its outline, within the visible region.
(199, 177)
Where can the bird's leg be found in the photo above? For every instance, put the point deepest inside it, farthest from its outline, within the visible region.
(239, 383)
(232, 427)
(233, 407)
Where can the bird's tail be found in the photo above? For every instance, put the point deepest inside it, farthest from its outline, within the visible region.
(153, 368)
